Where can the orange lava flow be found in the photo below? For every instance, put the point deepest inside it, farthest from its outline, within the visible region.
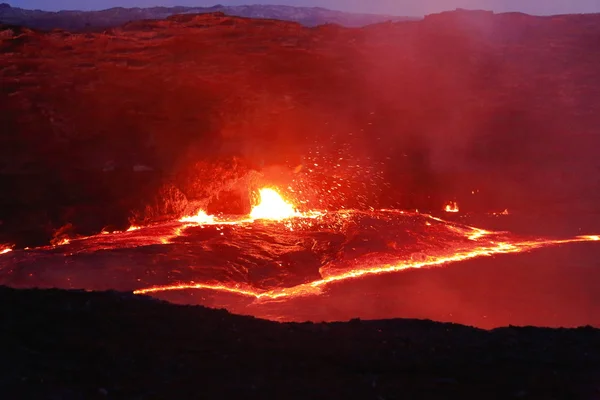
(316, 286)
(478, 233)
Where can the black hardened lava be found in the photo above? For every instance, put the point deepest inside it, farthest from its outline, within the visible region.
(77, 345)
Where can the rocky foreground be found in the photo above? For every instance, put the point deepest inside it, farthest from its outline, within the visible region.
(76, 345)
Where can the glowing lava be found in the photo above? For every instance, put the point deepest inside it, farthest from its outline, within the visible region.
(201, 218)
(272, 206)
(451, 207)
(315, 287)
(63, 242)
(5, 249)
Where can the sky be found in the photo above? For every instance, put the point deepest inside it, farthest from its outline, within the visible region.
(391, 7)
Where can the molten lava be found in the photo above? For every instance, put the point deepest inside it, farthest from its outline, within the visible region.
(451, 207)
(200, 218)
(299, 254)
(272, 207)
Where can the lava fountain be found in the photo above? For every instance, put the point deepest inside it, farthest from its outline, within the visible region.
(452, 207)
(272, 207)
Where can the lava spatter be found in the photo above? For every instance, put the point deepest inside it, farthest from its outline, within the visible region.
(4, 249)
(451, 207)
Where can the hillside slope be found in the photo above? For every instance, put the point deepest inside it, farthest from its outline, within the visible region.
(493, 110)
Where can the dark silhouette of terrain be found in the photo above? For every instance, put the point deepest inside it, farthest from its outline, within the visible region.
(156, 117)
(73, 345)
(110, 18)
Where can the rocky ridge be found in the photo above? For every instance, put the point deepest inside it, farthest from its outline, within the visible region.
(110, 18)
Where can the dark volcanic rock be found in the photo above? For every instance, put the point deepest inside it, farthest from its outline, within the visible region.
(72, 345)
